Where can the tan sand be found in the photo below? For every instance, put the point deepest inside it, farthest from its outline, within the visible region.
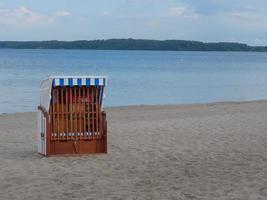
(211, 151)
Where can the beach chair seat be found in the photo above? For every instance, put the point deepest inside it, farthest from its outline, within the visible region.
(70, 116)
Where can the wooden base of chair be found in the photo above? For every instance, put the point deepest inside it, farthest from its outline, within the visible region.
(77, 147)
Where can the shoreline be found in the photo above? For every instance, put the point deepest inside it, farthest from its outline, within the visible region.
(164, 105)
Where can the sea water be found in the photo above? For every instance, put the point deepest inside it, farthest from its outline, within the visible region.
(136, 77)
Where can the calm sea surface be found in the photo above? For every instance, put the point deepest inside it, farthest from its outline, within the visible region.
(136, 77)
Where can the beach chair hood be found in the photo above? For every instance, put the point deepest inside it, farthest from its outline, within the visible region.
(54, 81)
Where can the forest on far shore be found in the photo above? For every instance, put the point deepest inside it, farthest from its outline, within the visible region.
(132, 44)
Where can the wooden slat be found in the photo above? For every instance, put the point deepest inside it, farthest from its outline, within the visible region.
(75, 113)
(71, 113)
(84, 113)
(53, 114)
(49, 118)
(97, 113)
(67, 113)
(93, 114)
(57, 120)
(88, 113)
(62, 113)
(80, 113)
(101, 95)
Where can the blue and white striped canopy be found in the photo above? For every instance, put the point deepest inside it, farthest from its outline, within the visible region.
(79, 81)
(55, 81)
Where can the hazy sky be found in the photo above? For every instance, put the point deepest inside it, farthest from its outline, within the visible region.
(204, 20)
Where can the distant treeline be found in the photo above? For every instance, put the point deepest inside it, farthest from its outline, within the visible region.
(132, 44)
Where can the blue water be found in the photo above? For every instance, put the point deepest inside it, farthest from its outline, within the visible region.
(136, 77)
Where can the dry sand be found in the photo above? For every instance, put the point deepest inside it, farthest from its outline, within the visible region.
(209, 151)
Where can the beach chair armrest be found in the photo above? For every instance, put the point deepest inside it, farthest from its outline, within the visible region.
(44, 111)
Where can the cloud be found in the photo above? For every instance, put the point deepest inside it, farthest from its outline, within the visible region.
(25, 17)
(21, 16)
(176, 11)
(249, 18)
(180, 12)
(248, 15)
(62, 13)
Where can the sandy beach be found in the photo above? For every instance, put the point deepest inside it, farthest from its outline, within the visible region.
(201, 151)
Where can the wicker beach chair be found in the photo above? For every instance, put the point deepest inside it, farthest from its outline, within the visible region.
(70, 116)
